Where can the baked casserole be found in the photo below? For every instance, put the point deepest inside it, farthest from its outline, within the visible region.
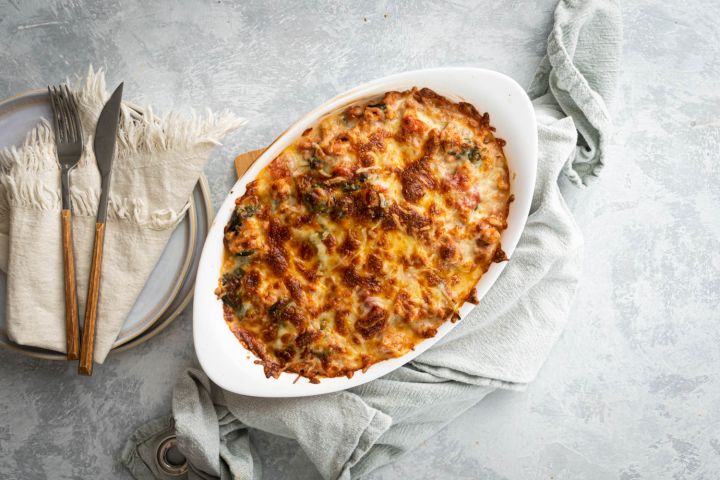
(365, 235)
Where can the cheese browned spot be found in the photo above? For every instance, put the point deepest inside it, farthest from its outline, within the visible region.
(366, 234)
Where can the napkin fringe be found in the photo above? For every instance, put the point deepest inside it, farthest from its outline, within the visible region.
(29, 193)
(32, 156)
(144, 139)
(20, 186)
(143, 132)
(85, 203)
(150, 135)
(142, 135)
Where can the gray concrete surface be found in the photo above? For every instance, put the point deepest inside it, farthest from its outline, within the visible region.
(632, 389)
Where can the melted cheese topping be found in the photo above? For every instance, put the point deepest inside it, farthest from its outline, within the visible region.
(366, 234)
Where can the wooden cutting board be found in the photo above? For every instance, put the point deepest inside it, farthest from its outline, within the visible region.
(244, 160)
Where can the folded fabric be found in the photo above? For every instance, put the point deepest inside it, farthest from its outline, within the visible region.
(158, 162)
(501, 344)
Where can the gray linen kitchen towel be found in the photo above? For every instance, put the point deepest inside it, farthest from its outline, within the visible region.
(501, 344)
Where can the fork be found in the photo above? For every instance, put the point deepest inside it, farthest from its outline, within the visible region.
(69, 143)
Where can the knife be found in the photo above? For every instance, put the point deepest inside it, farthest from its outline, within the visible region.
(104, 147)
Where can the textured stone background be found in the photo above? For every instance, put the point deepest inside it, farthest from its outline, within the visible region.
(631, 391)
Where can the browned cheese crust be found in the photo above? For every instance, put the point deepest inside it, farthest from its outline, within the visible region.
(366, 234)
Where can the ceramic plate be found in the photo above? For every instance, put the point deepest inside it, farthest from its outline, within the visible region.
(20, 114)
(221, 355)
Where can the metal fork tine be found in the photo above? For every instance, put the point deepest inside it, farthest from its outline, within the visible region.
(75, 115)
(67, 117)
(56, 112)
(62, 116)
(73, 112)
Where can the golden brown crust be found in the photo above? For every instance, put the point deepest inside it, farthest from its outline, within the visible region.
(365, 235)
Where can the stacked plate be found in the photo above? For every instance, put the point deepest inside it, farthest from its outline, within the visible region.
(170, 286)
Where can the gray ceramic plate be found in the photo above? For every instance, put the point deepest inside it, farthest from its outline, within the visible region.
(164, 290)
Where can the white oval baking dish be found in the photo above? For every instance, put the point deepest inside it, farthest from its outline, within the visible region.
(221, 355)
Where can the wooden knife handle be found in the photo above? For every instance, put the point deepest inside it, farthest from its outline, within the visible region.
(71, 308)
(88, 337)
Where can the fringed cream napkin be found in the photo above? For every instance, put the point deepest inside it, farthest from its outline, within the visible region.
(158, 162)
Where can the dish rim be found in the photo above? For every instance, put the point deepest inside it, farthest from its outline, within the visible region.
(229, 364)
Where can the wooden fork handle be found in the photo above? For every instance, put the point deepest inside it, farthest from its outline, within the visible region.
(88, 337)
(71, 308)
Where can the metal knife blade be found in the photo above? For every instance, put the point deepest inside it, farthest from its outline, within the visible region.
(104, 146)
